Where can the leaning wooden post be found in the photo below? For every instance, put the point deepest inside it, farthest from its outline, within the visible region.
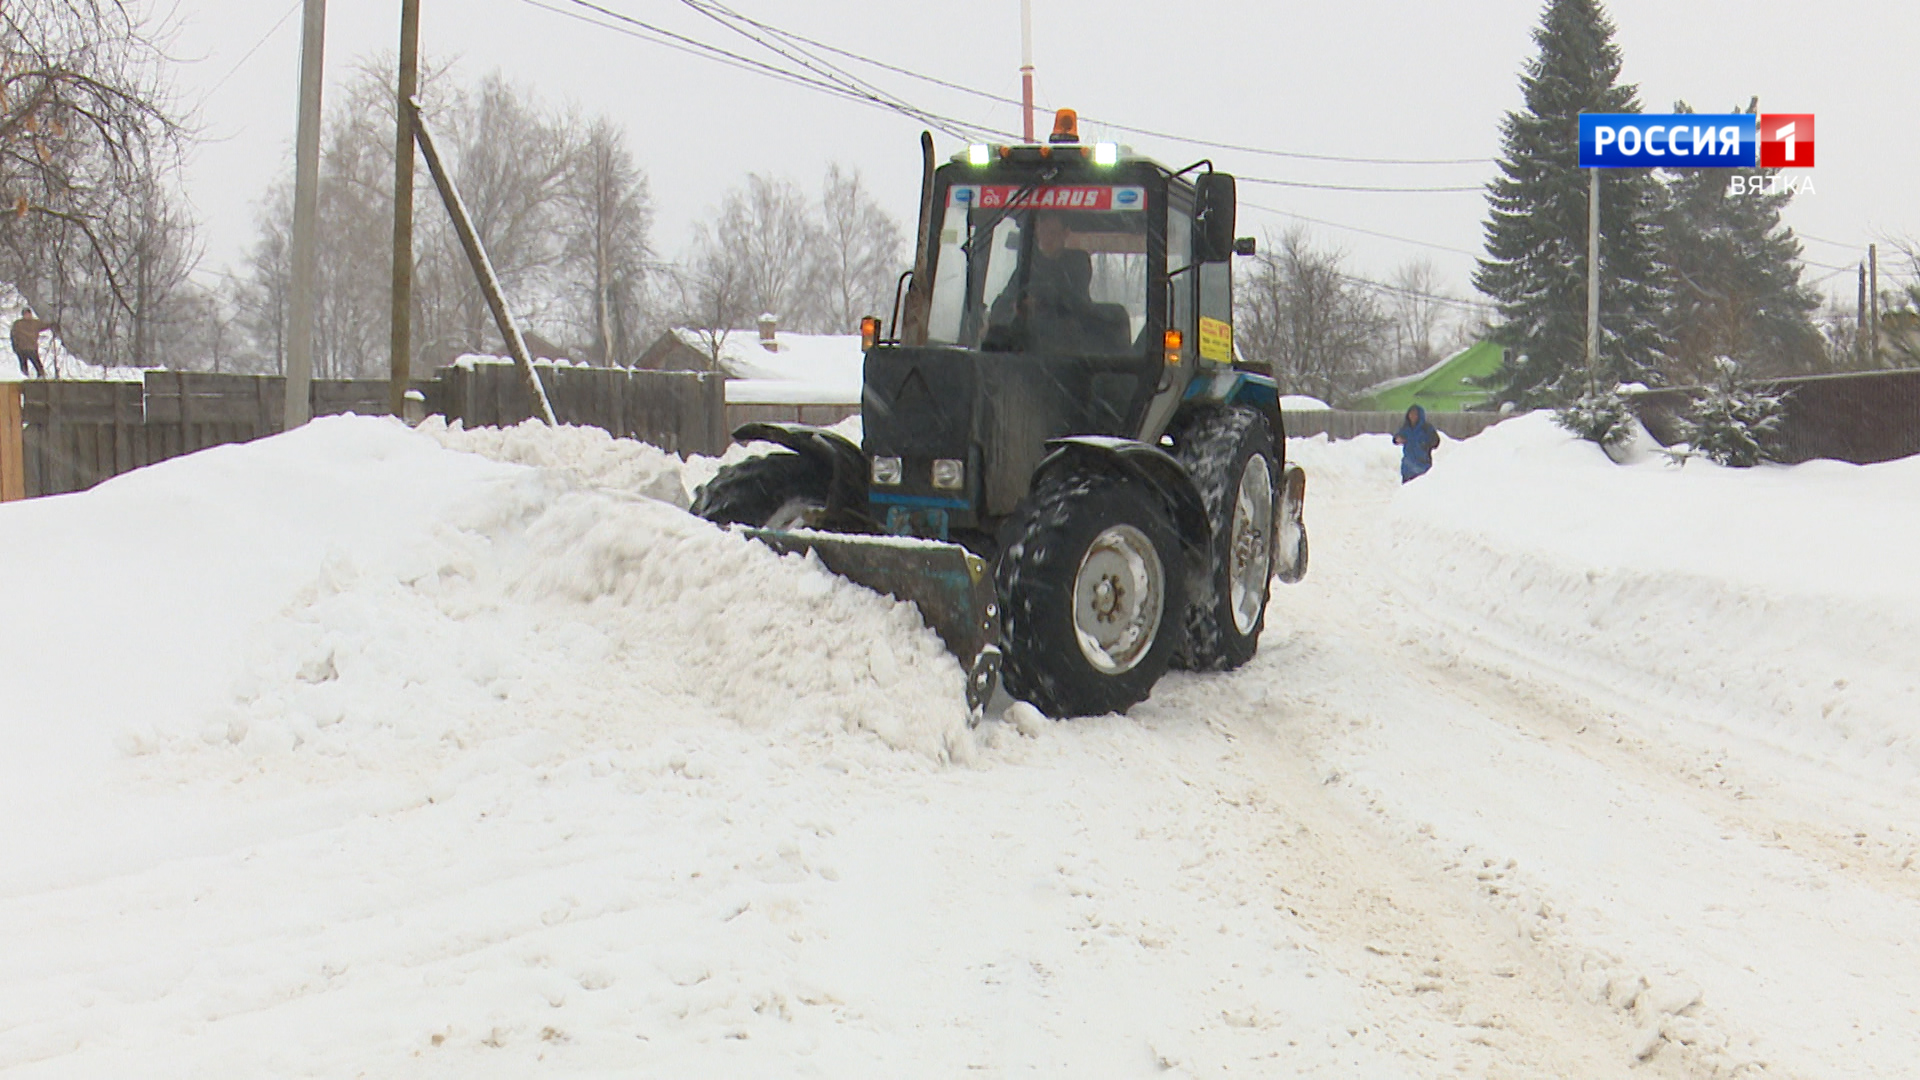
(482, 266)
(13, 453)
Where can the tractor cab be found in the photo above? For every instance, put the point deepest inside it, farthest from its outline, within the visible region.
(1061, 290)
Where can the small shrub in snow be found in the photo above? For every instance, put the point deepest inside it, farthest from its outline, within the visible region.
(1598, 416)
(1731, 424)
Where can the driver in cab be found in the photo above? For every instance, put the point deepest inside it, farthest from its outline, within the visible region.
(1048, 298)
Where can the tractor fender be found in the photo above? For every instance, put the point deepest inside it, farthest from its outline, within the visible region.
(836, 452)
(1158, 470)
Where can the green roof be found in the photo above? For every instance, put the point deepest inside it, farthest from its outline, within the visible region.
(1447, 386)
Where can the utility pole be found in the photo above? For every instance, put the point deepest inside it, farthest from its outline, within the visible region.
(1873, 304)
(306, 206)
(1593, 278)
(1026, 67)
(1860, 321)
(401, 343)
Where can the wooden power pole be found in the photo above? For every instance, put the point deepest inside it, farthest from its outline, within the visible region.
(401, 343)
(482, 266)
(306, 207)
(1873, 304)
(1860, 321)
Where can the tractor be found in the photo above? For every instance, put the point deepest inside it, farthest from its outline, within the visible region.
(1061, 463)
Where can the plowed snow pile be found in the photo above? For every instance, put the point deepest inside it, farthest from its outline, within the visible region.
(343, 754)
(362, 751)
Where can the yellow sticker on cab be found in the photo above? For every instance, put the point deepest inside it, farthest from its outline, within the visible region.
(1216, 340)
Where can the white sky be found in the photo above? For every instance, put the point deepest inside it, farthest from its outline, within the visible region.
(1366, 78)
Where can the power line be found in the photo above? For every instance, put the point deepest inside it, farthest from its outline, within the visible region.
(1358, 229)
(721, 13)
(1368, 188)
(637, 28)
(238, 64)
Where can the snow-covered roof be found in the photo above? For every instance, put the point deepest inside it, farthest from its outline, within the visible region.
(821, 366)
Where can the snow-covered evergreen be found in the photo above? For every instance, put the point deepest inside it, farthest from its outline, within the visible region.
(1732, 424)
(1735, 272)
(1536, 264)
(1598, 416)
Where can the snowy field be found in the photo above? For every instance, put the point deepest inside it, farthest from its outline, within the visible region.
(362, 751)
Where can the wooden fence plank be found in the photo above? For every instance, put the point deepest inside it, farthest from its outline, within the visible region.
(13, 451)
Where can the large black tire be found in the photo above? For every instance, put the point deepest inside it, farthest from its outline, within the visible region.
(781, 489)
(1089, 548)
(1229, 453)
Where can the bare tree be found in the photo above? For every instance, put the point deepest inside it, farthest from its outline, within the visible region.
(858, 256)
(1417, 306)
(712, 294)
(518, 168)
(608, 218)
(1303, 316)
(87, 137)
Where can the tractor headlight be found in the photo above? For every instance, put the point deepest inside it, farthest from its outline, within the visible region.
(886, 471)
(949, 474)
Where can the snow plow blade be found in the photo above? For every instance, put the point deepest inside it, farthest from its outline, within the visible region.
(949, 584)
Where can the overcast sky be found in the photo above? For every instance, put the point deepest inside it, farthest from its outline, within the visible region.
(1358, 78)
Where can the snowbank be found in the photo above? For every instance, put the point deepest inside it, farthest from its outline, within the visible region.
(1778, 601)
(388, 759)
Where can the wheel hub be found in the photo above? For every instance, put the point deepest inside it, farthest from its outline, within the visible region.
(1119, 597)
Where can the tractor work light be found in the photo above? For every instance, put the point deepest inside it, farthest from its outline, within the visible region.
(949, 474)
(979, 154)
(1106, 153)
(886, 471)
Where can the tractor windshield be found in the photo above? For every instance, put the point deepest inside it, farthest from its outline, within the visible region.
(1057, 268)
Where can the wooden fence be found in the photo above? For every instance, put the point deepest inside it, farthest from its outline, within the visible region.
(80, 433)
(13, 472)
(1341, 424)
(681, 411)
(77, 434)
(1865, 417)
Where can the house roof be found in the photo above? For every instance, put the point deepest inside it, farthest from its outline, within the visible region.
(807, 367)
(1447, 386)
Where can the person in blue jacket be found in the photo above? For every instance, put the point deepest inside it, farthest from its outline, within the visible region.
(1416, 440)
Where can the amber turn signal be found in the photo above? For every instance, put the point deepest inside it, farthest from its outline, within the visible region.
(869, 331)
(1173, 342)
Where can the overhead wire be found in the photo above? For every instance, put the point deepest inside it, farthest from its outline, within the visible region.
(829, 78)
(638, 28)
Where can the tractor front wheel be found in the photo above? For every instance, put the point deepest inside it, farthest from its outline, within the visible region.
(1091, 585)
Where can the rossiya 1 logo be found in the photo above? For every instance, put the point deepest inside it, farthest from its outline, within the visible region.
(1704, 141)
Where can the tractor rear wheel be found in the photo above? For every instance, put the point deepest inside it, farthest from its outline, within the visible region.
(1230, 455)
(1091, 584)
(777, 491)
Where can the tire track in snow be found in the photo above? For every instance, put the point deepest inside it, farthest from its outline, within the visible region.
(1385, 689)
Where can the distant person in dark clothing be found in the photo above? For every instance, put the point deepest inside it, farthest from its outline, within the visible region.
(1416, 440)
(26, 342)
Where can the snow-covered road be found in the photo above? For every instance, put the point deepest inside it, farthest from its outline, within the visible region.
(416, 764)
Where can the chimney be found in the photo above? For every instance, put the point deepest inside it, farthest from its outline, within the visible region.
(769, 325)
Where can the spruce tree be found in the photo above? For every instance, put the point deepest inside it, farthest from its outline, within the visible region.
(1735, 273)
(1536, 264)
